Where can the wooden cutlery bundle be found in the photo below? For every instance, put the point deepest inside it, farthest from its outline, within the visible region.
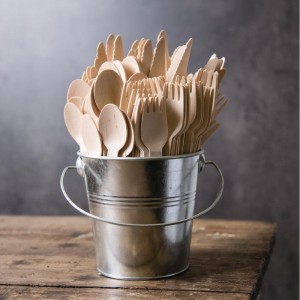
(144, 104)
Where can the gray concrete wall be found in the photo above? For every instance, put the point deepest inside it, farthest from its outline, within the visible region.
(44, 45)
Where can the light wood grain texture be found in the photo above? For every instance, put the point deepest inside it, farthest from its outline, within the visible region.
(44, 254)
(11, 293)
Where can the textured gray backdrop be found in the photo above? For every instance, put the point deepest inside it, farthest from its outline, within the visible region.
(47, 44)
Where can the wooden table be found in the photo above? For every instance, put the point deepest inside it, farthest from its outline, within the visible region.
(53, 258)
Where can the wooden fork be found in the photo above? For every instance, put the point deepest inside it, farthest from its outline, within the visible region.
(175, 114)
(154, 126)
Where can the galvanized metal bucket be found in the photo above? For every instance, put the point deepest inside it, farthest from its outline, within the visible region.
(142, 210)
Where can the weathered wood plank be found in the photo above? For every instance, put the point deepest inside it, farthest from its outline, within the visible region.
(226, 256)
(11, 293)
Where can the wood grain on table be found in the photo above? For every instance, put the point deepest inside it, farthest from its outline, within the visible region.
(54, 258)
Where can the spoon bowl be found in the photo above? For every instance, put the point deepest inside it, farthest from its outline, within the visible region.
(113, 129)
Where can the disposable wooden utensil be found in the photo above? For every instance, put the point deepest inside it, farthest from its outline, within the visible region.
(127, 149)
(159, 84)
(118, 52)
(146, 57)
(189, 138)
(78, 101)
(100, 55)
(151, 84)
(221, 76)
(90, 136)
(190, 115)
(107, 88)
(136, 77)
(180, 62)
(154, 127)
(215, 63)
(174, 52)
(158, 65)
(211, 129)
(204, 76)
(128, 96)
(219, 105)
(140, 49)
(100, 58)
(78, 88)
(131, 66)
(110, 47)
(120, 70)
(90, 82)
(215, 86)
(124, 97)
(209, 78)
(167, 54)
(89, 74)
(183, 65)
(84, 76)
(94, 72)
(132, 101)
(141, 149)
(89, 107)
(212, 63)
(198, 75)
(73, 120)
(209, 97)
(171, 73)
(175, 111)
(113, 129)
(178, 140)
(133, 49)
(108, 65)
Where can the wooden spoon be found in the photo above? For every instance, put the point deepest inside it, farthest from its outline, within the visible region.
(107, 88)
(78, 101)
(113, 129)
(108, 65)
(90, 136)
(73, 120)
(120, 70)
(130, 65)
(78, 88)
(127, 149)
(89, 106)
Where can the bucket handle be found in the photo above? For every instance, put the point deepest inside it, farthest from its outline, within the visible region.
(143, 225)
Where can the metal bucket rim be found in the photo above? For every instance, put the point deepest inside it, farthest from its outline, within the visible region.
(198, 153)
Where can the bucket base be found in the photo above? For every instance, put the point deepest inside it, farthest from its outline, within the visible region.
(140, 278)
